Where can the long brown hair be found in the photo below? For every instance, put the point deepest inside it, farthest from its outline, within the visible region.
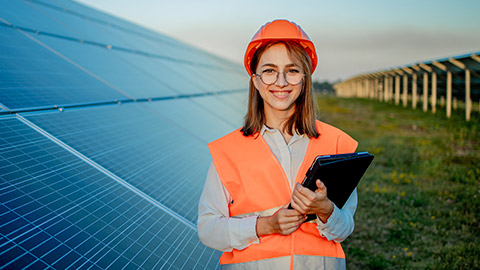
(303, 118)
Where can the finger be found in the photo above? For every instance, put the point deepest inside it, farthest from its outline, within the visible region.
(287, 228)
(291, 226)
(301, 189)
(288, 231)
(304, 200)
(294, 221)
(291, 213)
(295, 205)
(321, 186)
(303, 193)
(288, 216)
(298, 205)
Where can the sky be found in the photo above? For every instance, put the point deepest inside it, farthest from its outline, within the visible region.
(351, 36)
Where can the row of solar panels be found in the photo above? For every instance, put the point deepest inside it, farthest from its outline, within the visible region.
(456, 66)
(39, 66)
(77, 186)
(103, 140)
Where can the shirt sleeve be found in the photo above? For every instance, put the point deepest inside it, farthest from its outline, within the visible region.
(340, 224)
(215, 228)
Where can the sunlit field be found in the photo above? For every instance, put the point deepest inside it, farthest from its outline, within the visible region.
(419, 202)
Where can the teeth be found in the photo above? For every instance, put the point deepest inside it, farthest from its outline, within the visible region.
(281, 93)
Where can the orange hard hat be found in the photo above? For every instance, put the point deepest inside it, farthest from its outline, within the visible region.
(280, 30)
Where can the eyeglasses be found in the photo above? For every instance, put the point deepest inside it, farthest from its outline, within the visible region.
(292, 76)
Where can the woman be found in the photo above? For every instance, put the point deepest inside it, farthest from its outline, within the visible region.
(256, 170)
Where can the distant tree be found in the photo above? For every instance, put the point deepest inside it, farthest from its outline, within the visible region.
(323, 87)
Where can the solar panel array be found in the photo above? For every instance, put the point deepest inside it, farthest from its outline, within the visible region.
(433, 82)
(104, 128)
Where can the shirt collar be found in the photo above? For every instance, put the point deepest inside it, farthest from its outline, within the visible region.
(294, 138)
(265, 129)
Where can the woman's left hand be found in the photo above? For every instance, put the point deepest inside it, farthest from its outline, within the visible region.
(307, 202)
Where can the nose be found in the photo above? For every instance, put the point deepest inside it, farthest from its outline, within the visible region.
(281, 80)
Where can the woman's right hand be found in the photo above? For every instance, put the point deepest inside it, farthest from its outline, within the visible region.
(284, 222)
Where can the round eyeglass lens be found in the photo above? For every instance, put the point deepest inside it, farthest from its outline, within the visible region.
(271, 77)
(294, 78)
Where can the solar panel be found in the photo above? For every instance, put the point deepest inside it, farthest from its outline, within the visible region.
(224, 110)
(193, 118)
(87, 13)
(88, 25)
(112, 179)
(59, 211)
(32, 76)
(24, 14)
(125, 71)
(237, 101)
(159, 157)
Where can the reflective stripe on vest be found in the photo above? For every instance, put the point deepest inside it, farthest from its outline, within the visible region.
(257, 184)
(301, 262)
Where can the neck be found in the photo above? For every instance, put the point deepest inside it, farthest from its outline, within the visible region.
(277, 119)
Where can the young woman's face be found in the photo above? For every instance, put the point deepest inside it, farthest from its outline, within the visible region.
(279, 96)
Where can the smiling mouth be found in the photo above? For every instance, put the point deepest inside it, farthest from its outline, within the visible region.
(280, 94)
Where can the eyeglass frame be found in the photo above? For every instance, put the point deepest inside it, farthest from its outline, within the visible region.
(278, 75)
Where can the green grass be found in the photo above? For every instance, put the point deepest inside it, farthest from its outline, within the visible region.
(419, 202)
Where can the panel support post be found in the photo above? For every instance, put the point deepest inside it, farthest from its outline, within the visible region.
(425, 91)
(468, 100)
(405, 90)
(397, 90)
(414, 91)
(390, 87)
(385, 89)
(449, 94)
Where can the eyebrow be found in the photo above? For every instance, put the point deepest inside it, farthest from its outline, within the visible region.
(273, 65)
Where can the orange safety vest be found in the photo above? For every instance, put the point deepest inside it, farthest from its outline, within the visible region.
(257, 184)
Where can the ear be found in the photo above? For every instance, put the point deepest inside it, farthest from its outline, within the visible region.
(255, 81)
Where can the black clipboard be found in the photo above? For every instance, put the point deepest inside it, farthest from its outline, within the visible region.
(340, 174)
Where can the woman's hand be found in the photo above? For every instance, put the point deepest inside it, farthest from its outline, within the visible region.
(284, 222)
(307, 202)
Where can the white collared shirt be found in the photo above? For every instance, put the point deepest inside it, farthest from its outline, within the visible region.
(219, 231)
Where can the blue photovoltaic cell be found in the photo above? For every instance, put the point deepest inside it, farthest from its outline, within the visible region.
(87, 29)
(128, 76)
(60, 23)
(145, 40)
(83, 11)
(208, 72)
(172, 74)
(24, 14)
(32, 76)
(205, 124)
(237, 100)
(58, 211)
(224, 110)
(105, 34)
(157, 156)
(51, 18)
(131, 30)
(215, 79)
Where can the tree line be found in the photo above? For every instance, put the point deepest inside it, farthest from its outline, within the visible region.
(323, 87)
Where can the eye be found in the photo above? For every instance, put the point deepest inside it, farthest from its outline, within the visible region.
(293, 71)
(269, 71)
